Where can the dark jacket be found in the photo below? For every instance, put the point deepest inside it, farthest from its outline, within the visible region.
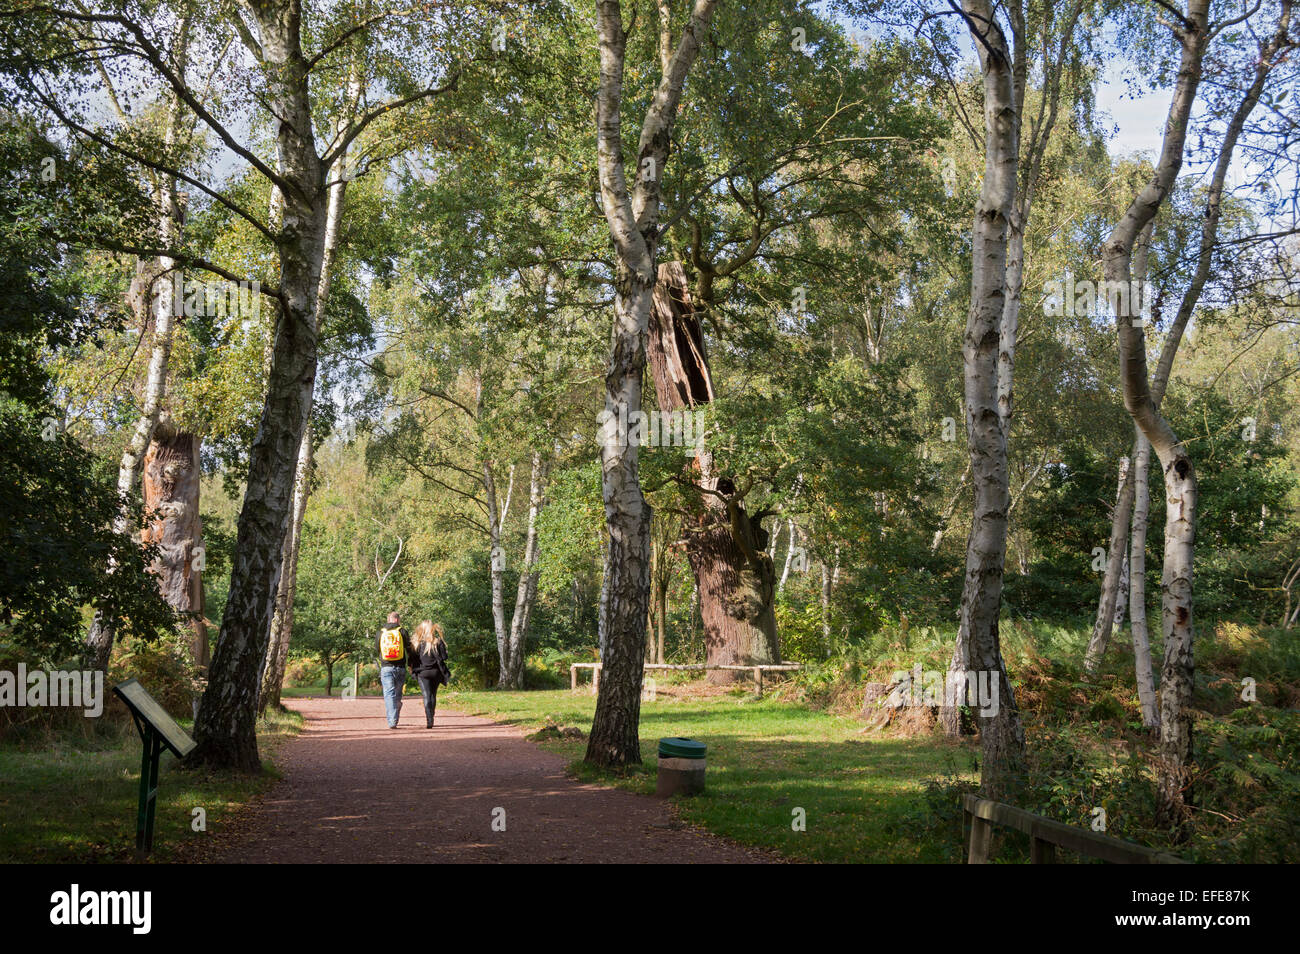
(430, 663)
(406, 642)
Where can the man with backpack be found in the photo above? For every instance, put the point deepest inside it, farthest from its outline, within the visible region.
(393, 646)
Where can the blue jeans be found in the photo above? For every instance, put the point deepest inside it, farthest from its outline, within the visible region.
(392, 678)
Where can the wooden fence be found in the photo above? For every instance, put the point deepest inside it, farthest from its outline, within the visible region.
(756, 670)
(1047, 835)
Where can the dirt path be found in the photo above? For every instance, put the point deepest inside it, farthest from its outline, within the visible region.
(356, 791)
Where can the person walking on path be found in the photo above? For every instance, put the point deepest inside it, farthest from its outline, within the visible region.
(429, 664)
(392, 645)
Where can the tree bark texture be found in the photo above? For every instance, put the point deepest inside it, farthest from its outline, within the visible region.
(632, 214)
(726, 548)
(1173, 781)
(171, 502)
(1001, 735)
(226, 726)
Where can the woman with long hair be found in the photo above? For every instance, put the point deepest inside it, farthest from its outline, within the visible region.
(429, 664)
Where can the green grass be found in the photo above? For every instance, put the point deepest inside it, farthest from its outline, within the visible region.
(863, 795)
(74, 799)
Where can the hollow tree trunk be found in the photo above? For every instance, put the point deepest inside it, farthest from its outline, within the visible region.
(226, 726)
(726, 548)
(632, 214)
(156, 291)
(171, 494)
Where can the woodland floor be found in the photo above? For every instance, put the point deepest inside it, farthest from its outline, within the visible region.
(354, 790)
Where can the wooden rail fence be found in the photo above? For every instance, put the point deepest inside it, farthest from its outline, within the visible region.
(1046, 835)
(756, 670)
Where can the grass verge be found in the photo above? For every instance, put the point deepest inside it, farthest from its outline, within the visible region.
(73, 798)
(862, 796)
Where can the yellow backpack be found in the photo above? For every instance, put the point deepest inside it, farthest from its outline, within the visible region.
(391, 645)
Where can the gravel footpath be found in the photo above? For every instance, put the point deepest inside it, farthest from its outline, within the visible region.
(356, 791)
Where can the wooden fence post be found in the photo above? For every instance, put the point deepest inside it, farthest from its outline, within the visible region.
(981, 835)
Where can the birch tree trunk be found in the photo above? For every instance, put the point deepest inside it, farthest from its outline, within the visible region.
(1173, 783)
(277, 653)
(826, 606)
(1011, 79)
(496, 570)
(99, 640)
(277, 656)
(1001, 736)
(1270, 50)
(1115, 558)
(1121, 598)
(1137, 586)
(156, 291)
(526, 593)
(226, 726)
(789, 554)
(632, 213)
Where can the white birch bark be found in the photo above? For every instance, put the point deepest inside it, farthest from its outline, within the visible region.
(1270, 50)
(1137, 587)
(225, 729)
(1177, 673)
(1002, 739)
(632, 214)
(526, 591)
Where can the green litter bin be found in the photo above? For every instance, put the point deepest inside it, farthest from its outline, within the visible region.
(681, 767)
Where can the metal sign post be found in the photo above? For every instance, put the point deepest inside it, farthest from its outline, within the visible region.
(157, 729)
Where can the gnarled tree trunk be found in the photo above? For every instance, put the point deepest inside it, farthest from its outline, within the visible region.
(155, 293)
(726, 548)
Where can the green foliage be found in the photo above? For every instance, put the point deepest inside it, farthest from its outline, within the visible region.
(337, 612)
(57, 500)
